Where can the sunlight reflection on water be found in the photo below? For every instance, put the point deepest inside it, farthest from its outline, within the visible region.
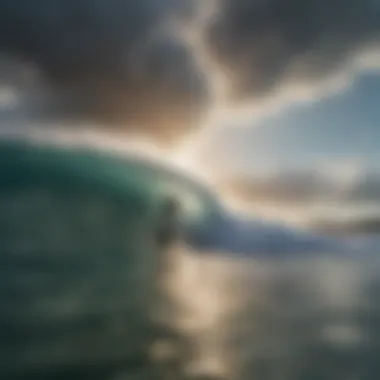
(267, 319)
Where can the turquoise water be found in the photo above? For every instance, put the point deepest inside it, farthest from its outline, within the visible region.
(81, 296)
(80, 260)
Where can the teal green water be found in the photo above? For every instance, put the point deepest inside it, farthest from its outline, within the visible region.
(24, 163)
(78, 261)
(79, 268)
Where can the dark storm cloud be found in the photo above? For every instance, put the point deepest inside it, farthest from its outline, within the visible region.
(110, 60)
(128, 63)
(260, 45)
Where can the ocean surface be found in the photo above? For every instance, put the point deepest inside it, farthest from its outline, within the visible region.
(291, 317)
(237, 299)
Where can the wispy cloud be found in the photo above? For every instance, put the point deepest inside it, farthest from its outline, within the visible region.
(335, 195)
(159, 67)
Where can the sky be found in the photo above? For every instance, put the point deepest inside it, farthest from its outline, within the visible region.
(342, 128)
(163, 68)
(302, 73)
(318, 159)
